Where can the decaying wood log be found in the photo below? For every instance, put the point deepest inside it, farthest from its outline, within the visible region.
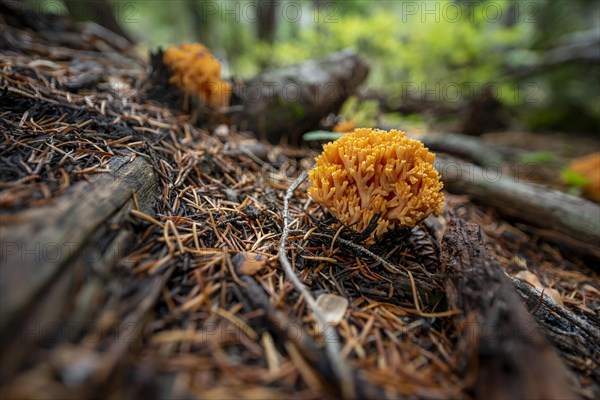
(63, 253)
(90, 364)
(562, 219)
(101, 13)
(283, 104)
(510, 357)
(60, 30)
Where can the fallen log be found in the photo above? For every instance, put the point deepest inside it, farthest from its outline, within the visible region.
(91, 364)
(562, 219)
(64, 253)
(509, 356)
(283, 104)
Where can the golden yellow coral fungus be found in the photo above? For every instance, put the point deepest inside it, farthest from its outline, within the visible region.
(372, 171)
(196, 71)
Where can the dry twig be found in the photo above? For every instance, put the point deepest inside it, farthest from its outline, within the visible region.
(332, 344)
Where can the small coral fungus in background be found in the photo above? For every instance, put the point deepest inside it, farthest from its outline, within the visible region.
(196, 71)
(372, 171)
(589, 168)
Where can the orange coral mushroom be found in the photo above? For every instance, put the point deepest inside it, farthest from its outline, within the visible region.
(589, 167)
(372, 171)
(196, 71)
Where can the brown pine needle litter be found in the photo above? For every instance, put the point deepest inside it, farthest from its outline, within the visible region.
(177, 317)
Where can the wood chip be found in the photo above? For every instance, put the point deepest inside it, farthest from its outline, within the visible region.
(247, 263)
(334, 307)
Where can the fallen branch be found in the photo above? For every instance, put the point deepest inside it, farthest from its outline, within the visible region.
(578, 47)
(575, 337)
(277, 321)
(530, 294)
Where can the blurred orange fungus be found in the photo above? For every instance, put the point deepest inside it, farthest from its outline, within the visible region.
(589, 167)
(196, 71)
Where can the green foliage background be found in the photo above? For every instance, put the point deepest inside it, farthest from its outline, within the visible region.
(444, 50)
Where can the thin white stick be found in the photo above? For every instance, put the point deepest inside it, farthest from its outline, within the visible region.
(332, 343)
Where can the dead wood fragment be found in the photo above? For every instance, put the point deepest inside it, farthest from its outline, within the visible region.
(510, 356)
(566, 220)
(45, 247)
(89, 363)
(56, 30)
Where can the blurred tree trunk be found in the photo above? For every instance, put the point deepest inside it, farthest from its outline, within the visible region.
(201, 23)
(512, 14)
(318, 4)
(98, 11)
(318, 8)
(267, 21)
